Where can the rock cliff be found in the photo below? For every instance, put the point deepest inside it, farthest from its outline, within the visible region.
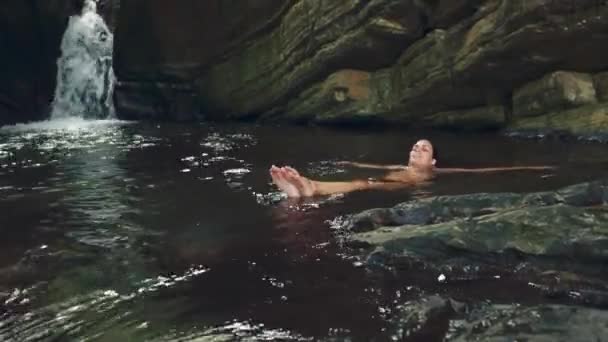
(468, 63)
(519, 64)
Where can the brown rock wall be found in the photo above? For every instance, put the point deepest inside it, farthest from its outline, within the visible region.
(554, 92)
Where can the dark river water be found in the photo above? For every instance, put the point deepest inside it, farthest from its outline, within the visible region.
(119, 231)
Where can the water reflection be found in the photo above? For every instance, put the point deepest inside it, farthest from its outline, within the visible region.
(133, 231)
(87, 212)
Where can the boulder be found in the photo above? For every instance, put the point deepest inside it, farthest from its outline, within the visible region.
(555, 92)
(556, 231)
(530, 323)
(571, 223)
(587, 121)
(447, 208)
(422, 319)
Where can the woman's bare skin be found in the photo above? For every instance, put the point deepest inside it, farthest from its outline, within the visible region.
(279, 178)
(420, 169)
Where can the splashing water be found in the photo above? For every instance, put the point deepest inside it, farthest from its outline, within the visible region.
(85, 77)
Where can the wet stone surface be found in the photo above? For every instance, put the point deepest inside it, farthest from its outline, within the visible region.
(552, 243)
(541, 323)
(571, 223)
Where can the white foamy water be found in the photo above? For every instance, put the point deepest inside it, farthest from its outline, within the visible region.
(63, 124)
(85, 77)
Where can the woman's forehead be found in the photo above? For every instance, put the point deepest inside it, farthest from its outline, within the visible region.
(424, 142)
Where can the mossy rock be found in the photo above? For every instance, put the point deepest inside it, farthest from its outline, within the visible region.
(586, 120)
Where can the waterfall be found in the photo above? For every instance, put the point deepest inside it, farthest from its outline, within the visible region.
(85, 77)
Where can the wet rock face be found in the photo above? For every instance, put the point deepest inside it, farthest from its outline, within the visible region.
(536, 323)
(268, 50)
(435, 318)
(565, 102)
(314, 39)
(538, 247)
(377, 60)
(569, 223)
(554, 92)
(162, 47)
(159, 40)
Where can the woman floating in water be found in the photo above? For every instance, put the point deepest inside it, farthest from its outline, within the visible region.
(420, 168)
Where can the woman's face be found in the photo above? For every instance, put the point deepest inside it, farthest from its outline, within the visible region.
(421, 154)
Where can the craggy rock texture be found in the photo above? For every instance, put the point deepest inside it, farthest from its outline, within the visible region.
(559, 90)
(568, 102)
(536, 323)
(30, 39)
(162, 47)
(421, 320)
(586, 121)
(427, 62)
(569, 223)
(548, 244)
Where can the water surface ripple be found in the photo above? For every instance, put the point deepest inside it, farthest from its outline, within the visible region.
(116, 230)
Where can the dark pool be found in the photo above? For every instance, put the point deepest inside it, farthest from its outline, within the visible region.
(152, 231)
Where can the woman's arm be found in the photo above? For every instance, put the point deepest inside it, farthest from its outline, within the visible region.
(372, 166)
(494, 169)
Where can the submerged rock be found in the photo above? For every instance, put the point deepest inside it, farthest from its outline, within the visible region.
(588, 122)
(558, 230)
(537, 323)
(568, 224)
(445, 208)
(436, 318)
(418, 320)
